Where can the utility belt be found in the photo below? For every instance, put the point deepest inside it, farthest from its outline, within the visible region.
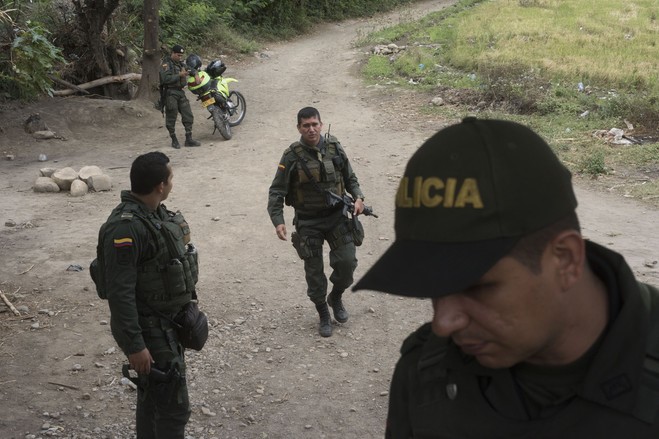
(154, 322)
(319, 214)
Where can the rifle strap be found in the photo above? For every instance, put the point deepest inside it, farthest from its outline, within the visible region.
(302, 161)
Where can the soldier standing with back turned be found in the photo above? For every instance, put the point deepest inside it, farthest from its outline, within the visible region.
(309, 167)
(174, 77)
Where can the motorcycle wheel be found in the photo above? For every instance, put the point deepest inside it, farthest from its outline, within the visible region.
(237, 113)
(221, 122)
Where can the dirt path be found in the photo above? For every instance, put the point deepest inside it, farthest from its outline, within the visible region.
(265, 372)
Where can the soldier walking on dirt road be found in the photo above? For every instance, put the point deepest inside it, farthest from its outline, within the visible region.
(308, 169)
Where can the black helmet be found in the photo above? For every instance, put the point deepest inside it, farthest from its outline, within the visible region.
(193, 61)
(216, 68)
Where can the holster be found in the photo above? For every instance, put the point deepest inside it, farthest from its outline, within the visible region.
(297, 245)
(305, 246)
(357, 230)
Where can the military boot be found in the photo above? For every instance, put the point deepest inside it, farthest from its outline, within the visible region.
(175, 143)
(189, 141)
(325, 326)
(334, 300)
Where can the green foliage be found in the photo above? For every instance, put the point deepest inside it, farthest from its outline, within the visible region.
(528, 56)
(190, 23)
(593, 164)
(378, 67)
(32, 59)
(284, 18)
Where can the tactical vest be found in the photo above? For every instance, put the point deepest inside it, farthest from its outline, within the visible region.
(447, 402)
(304, 194)
(166, 281)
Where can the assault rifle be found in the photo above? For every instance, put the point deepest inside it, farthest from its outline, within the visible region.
(334, 200)
(160, 105)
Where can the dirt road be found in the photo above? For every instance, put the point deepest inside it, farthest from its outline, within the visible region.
(265, 372)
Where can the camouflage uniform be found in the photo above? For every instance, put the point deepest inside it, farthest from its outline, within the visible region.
(314, 220)
(149, 274)
(175, 100)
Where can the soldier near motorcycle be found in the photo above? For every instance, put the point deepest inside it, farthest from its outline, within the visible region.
(173, 79)
(308, 169)
(227, 107)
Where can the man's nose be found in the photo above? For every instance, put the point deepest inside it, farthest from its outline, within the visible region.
(449, 315)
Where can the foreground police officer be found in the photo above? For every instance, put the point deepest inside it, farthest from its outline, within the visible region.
(174, 77)
(150, 274)
(309, 167)
(536, 333)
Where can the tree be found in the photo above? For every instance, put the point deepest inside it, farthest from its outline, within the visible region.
(151, 54)
(95, 22)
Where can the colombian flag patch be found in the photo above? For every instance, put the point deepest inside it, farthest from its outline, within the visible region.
(282, 167)
(123, 242)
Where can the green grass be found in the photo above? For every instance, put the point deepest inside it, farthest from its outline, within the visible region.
(567, 69)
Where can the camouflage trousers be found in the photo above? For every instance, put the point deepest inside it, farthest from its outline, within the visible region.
(342, 256)
(163, 406)
(175, 103)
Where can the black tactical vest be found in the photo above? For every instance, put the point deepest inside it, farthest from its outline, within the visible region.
(165, 281)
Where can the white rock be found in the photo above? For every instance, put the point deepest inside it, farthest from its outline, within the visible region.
(47, 172)
(78, 188)
(64, 177)
(206, 411)
(45, 184)
(43, 135)
(88, 171)
(437, 101)
(100, 182)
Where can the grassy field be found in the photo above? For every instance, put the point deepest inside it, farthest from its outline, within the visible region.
(572, 70)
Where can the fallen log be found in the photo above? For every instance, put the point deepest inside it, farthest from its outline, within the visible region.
(100, 81)
(68, 85)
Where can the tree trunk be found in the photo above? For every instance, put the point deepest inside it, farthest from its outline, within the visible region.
(92, 19)
(148, 88)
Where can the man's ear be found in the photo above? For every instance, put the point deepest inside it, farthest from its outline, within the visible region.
(568, 253)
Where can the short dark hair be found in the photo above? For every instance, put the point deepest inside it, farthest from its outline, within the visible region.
(148, 171)
(528, 250)
(307, 113)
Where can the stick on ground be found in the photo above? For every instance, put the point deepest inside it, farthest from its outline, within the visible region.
(8, 303)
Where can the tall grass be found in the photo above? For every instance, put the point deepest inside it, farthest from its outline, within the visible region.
(566, 68)
(604, 42)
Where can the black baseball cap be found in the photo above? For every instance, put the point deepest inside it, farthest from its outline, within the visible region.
(178, 49)
(469, 193)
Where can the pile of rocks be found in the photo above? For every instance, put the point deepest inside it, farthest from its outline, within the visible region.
(89, 178)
